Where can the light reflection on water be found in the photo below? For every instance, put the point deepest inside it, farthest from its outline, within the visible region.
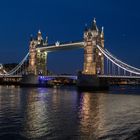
(65, 113)
(35, 118)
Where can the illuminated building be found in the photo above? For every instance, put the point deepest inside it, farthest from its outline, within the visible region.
(93, 59)
(37, 59)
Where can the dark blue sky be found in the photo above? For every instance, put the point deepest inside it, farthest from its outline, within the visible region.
(64, 20)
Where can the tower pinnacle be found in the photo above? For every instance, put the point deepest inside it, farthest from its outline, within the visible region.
(102, 29)
(39, 36)
(94, 20)
(39, 32)
(102, 32)
(94, 26)
(46, 41)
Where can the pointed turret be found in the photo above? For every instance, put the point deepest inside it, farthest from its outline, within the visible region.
(46, 41)
(94, 26)
(102, 32)
(39, 32)
(39, 36)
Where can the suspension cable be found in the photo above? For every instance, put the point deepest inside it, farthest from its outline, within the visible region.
(116, 63)
(14, 70)
(129, 66)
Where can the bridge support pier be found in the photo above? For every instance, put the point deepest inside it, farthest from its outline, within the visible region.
(93, 60)
(32, 80)
(29, 80)
(91, 82)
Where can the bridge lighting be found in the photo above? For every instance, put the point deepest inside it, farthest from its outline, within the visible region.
(38, 51)
(99, 54)
(57, 43)
(45, 53)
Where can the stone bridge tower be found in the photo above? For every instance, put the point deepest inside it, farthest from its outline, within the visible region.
(32, 57)
(93, 59)
(37, 59)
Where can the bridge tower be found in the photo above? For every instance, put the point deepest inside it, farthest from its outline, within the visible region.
(41, 56)
(93, 59)
(37, 59)
(32, 57)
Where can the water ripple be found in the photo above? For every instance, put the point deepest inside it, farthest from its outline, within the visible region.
(65, 113)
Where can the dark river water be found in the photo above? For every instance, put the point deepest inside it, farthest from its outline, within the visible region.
(67, 114)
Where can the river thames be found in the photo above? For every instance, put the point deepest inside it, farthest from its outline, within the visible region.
(68, 114)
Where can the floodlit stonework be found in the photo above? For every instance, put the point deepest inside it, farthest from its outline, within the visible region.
(37, 59)
(93, 59)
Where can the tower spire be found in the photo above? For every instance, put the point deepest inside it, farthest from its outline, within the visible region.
(39, 36)
(46, 41)
(94, 20)
(102, 29)
(94, 26)
(102, 32)
(39, 32)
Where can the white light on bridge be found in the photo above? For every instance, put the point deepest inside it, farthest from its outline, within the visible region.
(45, 53)
(38, 51)
(57, 43)
(100, 54)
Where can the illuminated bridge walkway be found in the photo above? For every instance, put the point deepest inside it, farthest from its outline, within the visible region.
(74, 77)
(115, 68)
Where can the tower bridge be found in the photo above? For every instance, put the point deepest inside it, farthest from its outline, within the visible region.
(93, 60)
(98, 67)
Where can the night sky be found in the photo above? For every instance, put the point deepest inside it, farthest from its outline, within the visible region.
(64, 20)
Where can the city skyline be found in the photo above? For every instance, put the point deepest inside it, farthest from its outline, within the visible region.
(65, 21)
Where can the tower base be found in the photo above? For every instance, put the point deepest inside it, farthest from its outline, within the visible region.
(91, 82)
(29, 80)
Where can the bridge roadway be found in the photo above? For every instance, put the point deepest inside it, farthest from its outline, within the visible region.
(60, 76)
(75, 77)
(100, 76)
(11, 76)
(61, 46)
(119, 76)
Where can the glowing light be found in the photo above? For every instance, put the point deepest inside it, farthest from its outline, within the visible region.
(100, 54)
(38, 51)
(57, 43)
(38, 42)
(45, 53)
